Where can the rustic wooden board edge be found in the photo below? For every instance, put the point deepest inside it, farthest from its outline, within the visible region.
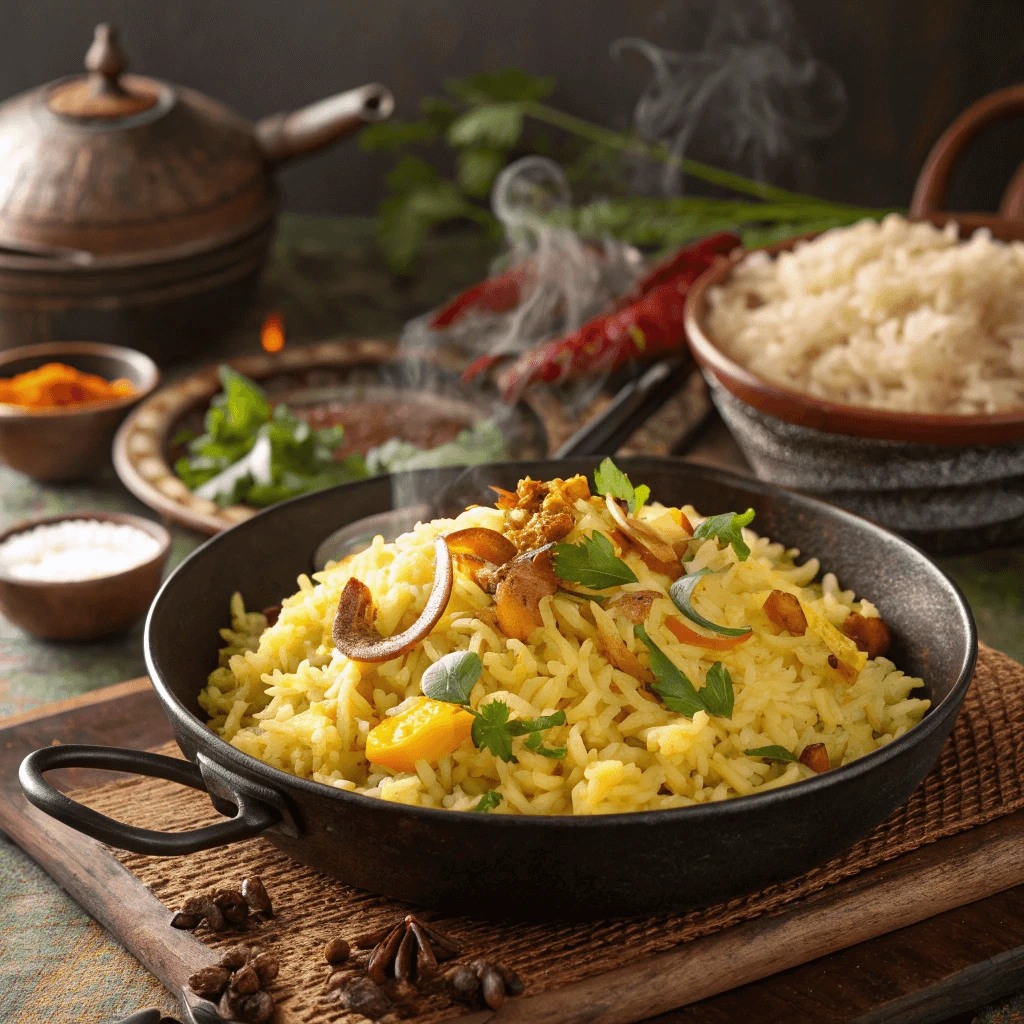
(113, 692)
(851, 912)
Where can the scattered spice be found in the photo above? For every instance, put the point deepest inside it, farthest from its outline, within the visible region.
(225, 907)
(481, 982)
(406, 951)
(57, 385)
(363, 996)
(254, 892)
(272, 613)
(237, 983)
(336, 951)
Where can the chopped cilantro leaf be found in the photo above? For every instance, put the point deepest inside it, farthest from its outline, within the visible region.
(491, 732)
(727, 528)
(679, 694)
(488, 801)
(593, 563)
(717, 692)
(609, 479)
(676, 691)
(534, 742)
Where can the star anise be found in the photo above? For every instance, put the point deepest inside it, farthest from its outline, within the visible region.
(406, 951)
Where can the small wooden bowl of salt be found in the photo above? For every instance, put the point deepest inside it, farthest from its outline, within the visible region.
(80, 576)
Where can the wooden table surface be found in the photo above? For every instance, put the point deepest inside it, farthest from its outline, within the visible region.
(328, 281)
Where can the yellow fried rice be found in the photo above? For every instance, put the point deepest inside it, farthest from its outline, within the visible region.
(284, 694)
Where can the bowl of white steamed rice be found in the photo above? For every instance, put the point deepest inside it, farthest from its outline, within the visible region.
(881, 366)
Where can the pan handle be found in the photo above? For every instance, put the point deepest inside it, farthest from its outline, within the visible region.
(253, 815)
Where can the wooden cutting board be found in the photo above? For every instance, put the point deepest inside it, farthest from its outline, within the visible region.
(916, 939)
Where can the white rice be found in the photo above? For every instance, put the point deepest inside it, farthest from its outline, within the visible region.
(891, 315)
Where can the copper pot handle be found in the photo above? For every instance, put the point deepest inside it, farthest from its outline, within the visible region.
(933, 181)
(284, 137)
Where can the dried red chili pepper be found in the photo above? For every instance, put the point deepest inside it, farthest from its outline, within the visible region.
(496, 294)
(647, 321)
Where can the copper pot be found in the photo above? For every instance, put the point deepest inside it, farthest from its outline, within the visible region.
(140, 212)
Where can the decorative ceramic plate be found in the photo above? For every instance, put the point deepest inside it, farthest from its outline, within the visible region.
(361, 384)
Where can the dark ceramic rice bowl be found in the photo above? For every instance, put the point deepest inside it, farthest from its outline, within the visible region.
(623, 864)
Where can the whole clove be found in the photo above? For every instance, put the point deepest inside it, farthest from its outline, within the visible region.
(363, 996)
(481, 981)
(336, 951)
(256, 896)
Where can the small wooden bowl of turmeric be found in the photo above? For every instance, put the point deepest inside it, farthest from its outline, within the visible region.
(62, 402)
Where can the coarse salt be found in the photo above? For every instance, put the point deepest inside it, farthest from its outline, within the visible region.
(75, 549)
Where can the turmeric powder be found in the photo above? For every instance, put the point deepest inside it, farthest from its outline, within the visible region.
(56, 385)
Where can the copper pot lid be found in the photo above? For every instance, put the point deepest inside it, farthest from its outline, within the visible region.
(110, 168)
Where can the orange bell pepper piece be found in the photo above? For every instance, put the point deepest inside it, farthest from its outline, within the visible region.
(426, 731)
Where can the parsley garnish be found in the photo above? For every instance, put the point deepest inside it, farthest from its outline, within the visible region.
(772, 753)
(452, 677)
(493, 730)
(593, 563)
(609, 479)
(727, 528)
(681, 593)
(488, 801)
(679, 694)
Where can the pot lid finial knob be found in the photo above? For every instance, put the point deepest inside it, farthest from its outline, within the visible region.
(102, 94)
(105, 58)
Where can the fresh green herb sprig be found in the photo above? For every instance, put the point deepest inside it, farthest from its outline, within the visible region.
(295, 459)
(609, 479)
(681, 593)
(592, 562)
(491, 118)
(678, 694)
(727, 528)
(451, 679)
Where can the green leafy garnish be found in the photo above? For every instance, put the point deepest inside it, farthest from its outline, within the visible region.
(257, 455)
(679, 694)
(593, 563)
(534, 742)
(727, 528)
(681, 593)
(609, 479)
(717, 692)
(452, 677)
(488, 801)
(493, 730)
(772, 753)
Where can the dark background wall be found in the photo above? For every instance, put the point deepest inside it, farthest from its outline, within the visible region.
(909, 66)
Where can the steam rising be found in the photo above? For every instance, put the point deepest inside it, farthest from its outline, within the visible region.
(746, 98)
(566, 281)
